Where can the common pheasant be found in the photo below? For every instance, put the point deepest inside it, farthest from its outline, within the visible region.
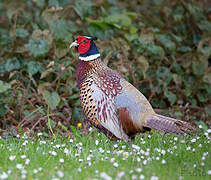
(113, 105)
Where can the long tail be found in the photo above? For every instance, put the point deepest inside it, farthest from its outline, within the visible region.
(170, 125)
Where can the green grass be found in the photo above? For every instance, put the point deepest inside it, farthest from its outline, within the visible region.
(84, 158)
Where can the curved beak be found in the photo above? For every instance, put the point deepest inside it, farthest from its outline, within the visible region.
(74, 44)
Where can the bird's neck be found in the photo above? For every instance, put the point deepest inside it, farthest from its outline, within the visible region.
(91, 54)
(86, 68)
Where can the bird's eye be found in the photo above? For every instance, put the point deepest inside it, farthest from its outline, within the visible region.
(85, 41)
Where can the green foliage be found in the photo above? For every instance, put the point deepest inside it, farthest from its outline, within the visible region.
(52, 99)
(61, 31)
(34, 67)
(4, 86)
(38, 48)
(163, 48)
(21, 33)
(12, 64)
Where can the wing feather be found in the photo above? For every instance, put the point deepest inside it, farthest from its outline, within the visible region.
(107, 113)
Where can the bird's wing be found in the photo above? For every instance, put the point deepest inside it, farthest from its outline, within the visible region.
(105, 87)
(106, 112)
(135, 103)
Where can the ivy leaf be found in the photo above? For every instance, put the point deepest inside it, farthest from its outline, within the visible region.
(156, 50)
(61, 31)
(205, 46)
(101, 23)
(53, 3)
(96, 31)
(131, 37)
(77, 114)
(38, 48)
(203, 97)
(205, 25)
(166, 41)
(171, 96)
(61, 51)
(11, 64)
(51, 14)
(3, 109)
(45, 35)
(4, 86)
(118, 20)
(199, 65)
(82, 8)
(161, 72)
(34, 67)
(21, 33)
(40, 3)
(52, 99)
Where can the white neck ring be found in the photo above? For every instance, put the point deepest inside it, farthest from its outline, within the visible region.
(89, 58)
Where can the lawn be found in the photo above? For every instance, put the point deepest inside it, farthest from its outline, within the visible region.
(151, 156)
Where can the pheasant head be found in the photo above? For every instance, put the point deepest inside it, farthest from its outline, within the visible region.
(86, 47)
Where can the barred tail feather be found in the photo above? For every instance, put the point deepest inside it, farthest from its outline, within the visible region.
(170, 125)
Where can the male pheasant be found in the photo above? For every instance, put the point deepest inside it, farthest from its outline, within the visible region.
(112, 104)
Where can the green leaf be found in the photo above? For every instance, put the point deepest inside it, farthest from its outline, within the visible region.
(205, 25)
(77, 114)
(203, 97)
(161, 72)
(61, 51)
(166, 41)
(158, 103)
(3, 109)
(199, 65)
(61, 31)
(21, 33)
(4, 86)
(208, 110)
(101, 23)
(51, 14)
(38, 48)
(52, 99)
(118, 20)
(149, 47)
(82, 8)
(207, 76)
(158, 2)
(96, 31)
(131, 37)
(40, 3)
(53, 3)
(133, 30)
(45, 35)
(143, 63)
(205, 47)
(156, 50)
(34, 67)
(12, 64)
(171, 96)
(184, 49)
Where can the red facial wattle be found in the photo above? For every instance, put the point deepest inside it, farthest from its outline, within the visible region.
(84, 44)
